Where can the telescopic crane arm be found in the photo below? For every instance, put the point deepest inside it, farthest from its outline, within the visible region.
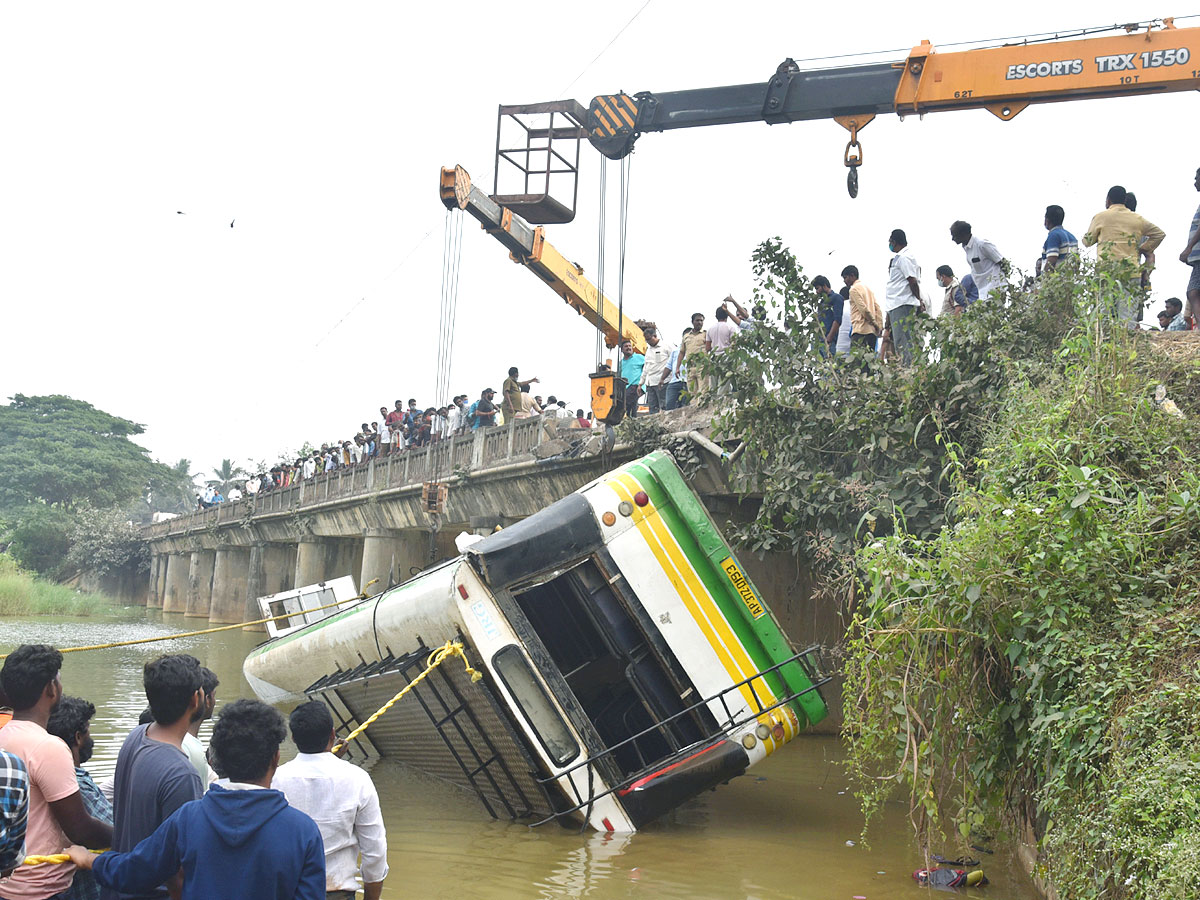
(1146, 59)
(528, 246)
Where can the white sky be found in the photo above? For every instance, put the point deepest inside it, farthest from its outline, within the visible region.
(321, 128)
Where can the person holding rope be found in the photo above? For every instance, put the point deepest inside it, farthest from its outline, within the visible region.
(241, 841)
(56, 810)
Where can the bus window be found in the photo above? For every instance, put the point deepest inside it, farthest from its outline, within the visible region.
(533, 701)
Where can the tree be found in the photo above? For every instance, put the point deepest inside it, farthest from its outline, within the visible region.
(104, 540)
(226, 473)
(65, 453)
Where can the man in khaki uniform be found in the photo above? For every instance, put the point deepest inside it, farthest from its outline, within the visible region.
(691, 344)
(1123, 235)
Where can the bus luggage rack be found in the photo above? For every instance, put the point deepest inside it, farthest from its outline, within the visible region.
(807, 660)
(482, 764)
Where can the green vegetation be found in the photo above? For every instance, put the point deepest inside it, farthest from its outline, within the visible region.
(22, 594)
(66, 466)
(1019, 519)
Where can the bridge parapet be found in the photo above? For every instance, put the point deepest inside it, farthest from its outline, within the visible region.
(474, 451)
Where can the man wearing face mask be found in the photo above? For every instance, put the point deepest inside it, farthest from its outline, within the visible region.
(71, 722)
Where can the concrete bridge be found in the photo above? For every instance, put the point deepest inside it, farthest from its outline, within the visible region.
(368, 521)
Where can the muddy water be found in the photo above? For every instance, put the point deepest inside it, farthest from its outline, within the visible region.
(781, 831)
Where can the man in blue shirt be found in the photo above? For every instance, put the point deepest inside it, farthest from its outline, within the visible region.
(677, 380)
(241, 841)
(830, 314)
(631, 371)
(1060, 243)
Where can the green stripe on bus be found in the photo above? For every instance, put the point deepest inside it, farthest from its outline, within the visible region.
(701, 542)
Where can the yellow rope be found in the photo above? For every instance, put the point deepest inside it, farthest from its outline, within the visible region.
(436, 658)
(51, 859)
(183, 634)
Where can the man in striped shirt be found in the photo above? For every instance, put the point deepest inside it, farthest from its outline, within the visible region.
(1060, 243)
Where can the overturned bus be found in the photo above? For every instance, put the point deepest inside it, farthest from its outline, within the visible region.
(628, 662)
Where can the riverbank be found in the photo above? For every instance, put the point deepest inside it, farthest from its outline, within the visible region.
(22, 594)
(1036, 660)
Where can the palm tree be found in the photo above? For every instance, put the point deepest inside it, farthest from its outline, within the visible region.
(172, 488)
(227, 473)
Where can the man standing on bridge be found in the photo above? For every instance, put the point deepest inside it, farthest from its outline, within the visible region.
(512, 394)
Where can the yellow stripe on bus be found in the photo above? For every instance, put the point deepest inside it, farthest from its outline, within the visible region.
(695, 597)
(740, 655)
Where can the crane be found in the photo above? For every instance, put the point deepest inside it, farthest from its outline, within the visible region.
(528, 246)
(1144, 58)
(1148, 58)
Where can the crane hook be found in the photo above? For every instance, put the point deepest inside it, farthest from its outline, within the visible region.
(853, 158)
(854, 151)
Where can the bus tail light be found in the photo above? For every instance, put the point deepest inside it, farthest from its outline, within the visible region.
(641, 498)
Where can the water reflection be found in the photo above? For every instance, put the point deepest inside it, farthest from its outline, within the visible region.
(778, 833)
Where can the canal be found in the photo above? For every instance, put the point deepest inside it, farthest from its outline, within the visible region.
(788, 829)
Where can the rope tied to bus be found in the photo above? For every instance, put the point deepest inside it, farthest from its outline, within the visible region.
(436, 658)
(447, 651)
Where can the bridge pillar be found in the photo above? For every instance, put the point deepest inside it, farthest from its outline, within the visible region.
(343, 557)
(310, 561)
(175, 588)
(271, 569)
(230, 571)
(381, 551)
(154, 595)
(200, 579)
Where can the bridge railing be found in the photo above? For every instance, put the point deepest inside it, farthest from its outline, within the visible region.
(480, 449)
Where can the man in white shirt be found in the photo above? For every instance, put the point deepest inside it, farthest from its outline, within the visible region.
(341, 799)
(903, 297)
(454, 415)
(983, 258)
(654, 370)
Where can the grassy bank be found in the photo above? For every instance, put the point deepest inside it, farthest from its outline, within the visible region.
(22, 594)
(1038, 658)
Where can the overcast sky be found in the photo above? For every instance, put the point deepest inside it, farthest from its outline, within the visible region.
(319, 130)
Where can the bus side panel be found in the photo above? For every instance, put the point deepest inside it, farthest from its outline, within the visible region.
(742, 604)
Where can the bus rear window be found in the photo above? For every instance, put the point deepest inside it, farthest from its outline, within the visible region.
(534, 702)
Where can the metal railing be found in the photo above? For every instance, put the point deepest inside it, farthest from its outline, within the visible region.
(474, 450)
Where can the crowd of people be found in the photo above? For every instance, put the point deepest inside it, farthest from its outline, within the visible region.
(852, 317)
(408, 427)
(180, 820)
(849, 317)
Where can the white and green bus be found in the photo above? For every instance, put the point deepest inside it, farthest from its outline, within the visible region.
(629, 663)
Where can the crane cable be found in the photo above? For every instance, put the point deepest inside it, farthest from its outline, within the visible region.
(623, 230)
(452, 231)
(600, 261)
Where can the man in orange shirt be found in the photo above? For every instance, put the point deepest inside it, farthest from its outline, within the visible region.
(866, 317)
